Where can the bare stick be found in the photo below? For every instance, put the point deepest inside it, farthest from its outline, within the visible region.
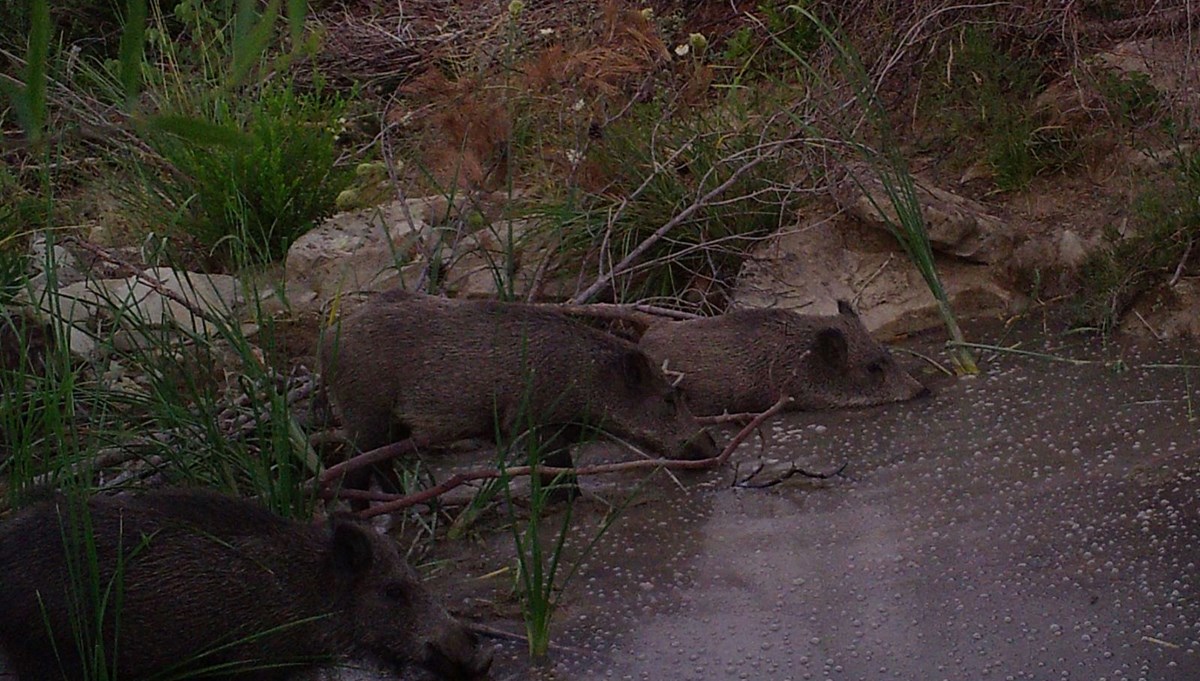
(744, 433)
(606, 278)
(152, 282)
(494, 632)
(459, 479)
(739, 418)
(619, 311)
(368, 458)
(1182, 261)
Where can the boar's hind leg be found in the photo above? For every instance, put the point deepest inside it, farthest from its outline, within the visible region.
(371, 431)
(553, 445)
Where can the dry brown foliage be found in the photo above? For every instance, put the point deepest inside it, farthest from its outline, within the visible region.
(565, 76)
(461, 70)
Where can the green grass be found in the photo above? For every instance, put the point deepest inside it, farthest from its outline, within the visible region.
(251, 182)
(19, 211)
(71, 413)
(93, 601)
(981, 96)
(544, 569)
(1163, 242)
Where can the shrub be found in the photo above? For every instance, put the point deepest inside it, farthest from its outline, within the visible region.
(660, 160)
(247, 202)
(982, 95)
(1168, 221)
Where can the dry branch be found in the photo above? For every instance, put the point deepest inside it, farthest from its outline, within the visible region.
(153, 282)
(397, 503)
(636, 254)
(369, 458)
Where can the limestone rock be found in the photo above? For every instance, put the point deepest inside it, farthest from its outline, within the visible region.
(956, 225)
(361, 250)
(807, 268)
(473, 253)
(135, 306)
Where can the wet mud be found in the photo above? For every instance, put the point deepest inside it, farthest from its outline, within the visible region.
(1040, 521)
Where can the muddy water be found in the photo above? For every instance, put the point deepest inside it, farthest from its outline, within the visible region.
(1041, 521)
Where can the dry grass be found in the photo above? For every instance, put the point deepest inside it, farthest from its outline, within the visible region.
(560, 80)
(463, 70)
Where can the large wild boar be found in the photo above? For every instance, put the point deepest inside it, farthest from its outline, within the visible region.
(745, 360)
(411, 365)
(192, 580)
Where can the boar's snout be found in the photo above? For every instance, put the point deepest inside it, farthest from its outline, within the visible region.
(457, 655)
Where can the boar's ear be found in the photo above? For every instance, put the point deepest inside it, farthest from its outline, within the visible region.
(350, 548)
(830, 347)
(845, 308)
(636, 368)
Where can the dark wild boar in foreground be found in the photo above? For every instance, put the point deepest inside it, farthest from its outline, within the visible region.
(745, 360)
(411, 365)
(205, 581)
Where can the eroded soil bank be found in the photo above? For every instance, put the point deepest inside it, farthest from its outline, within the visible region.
(1041, 521)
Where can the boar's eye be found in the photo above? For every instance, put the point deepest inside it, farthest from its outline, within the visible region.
(672, 397)
(876, 368)
(397, 592)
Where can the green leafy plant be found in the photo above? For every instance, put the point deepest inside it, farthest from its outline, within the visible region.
(786, 28)
(1163, 246)
(982, 96)
(249, 199)
(1132, 96)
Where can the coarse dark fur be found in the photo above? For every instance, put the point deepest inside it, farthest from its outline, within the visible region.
(440, 370)
(192, 579)
(745, 360)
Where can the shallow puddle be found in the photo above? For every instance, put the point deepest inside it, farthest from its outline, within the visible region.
(1041, 521)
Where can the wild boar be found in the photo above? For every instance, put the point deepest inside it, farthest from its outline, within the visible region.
(745, 360)
(186, 580)
(411, 365)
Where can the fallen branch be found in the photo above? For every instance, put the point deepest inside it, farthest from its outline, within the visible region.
(458, 479)
(153, 282)
(369, 458)
(494, 632)
(636, 313)
(792, 470)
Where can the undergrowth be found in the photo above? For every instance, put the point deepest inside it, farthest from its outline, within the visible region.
(246, 201)
(1161, 247)
(657, 161)
(980, 97)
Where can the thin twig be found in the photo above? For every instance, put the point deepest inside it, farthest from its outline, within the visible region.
(792, 470)
(606, 278)
(459, 479)
(493, 632)
(1182, 261)
(153, 282)
(369, 458)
